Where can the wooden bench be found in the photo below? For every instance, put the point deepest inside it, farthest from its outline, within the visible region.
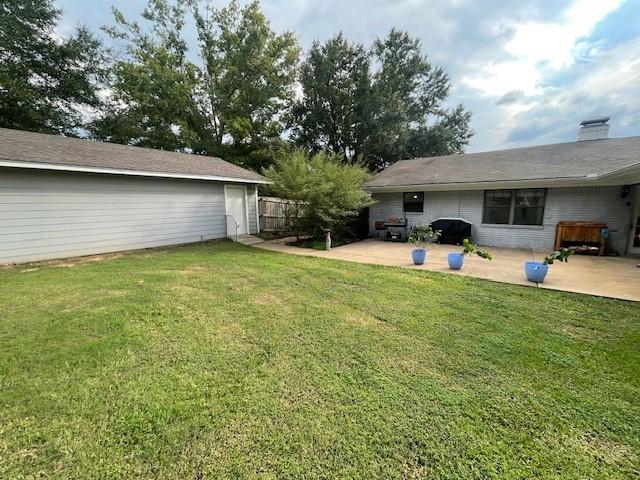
(581, 234)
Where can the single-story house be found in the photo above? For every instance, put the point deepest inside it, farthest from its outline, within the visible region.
(515, 198)
(62, 197)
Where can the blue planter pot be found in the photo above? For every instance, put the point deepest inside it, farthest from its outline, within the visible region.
(419, 255)
(456, 260)
(536, 271)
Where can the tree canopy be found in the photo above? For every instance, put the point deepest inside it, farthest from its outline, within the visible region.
(46, 83)
(238, 91)
(378, 105)
(227, 103)
(332, 113)
(153, 84)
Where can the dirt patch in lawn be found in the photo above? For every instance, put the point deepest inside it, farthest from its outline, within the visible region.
(362, 318)
(268, 299)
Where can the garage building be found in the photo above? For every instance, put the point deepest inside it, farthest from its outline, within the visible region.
(63, 197)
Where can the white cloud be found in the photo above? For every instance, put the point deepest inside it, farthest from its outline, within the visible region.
(529, 70)
(539, 47)
(608, 86)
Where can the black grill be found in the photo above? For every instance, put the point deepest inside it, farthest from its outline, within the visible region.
(396, 230)
(454, 230)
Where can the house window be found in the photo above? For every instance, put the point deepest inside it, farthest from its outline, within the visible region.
(413, 202)
(497, 206)
(514, 207)
(528, 207)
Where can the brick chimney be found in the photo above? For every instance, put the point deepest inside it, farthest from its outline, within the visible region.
(594, 129)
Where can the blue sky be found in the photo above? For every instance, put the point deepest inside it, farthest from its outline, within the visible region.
(529, 70)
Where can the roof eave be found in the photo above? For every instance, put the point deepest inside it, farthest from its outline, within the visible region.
(626, 175)
(137, 173)
(594, 180)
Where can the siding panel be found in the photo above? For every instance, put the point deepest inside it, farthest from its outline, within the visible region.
(47, 215)
(601, 204)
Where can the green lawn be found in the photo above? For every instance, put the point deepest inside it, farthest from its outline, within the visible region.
(220, 361)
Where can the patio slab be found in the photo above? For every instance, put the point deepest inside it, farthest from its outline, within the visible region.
(615, 277)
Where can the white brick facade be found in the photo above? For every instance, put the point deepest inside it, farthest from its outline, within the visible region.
(601, 204)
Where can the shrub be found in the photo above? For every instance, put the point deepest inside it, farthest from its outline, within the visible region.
(559, 255)
(469, 248)
(422, 234)
(330, 190)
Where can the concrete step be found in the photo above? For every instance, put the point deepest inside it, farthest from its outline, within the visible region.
(249, 240)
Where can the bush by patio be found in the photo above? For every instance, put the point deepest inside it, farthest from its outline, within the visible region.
(330, 190)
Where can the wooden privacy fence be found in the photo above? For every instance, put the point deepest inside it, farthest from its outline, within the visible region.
(278, 214)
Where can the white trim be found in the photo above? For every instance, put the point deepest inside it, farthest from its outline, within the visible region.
(512, 226)
(114, 171)
(632, 170)
(246, 206)
(604, 180)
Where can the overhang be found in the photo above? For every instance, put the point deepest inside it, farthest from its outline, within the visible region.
(135, 173)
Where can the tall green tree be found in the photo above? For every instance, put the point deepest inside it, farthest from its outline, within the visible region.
(153, 100)
(379, 105)
(333, 114)
(46, 83)
(248, 78)
(228, 101)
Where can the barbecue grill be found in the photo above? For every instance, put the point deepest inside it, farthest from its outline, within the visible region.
(453, 230)
(395, 229)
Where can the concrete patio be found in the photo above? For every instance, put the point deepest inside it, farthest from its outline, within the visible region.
(615, 277)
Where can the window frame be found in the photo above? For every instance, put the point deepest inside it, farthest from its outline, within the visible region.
(421, 203)
(484, 207)
(512, 208)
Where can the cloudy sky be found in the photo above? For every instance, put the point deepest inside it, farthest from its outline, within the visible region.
(529, 70)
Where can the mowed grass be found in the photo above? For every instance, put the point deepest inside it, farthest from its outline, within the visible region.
(221, 361)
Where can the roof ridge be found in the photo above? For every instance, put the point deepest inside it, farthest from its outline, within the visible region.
(532, 147)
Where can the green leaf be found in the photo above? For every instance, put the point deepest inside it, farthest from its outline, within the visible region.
(46, 82)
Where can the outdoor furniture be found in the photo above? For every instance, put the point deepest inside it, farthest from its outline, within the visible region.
(396, 229)
(453, 230)
(585, 237)
(380, 229)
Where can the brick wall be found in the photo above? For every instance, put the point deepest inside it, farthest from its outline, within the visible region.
(602, 204)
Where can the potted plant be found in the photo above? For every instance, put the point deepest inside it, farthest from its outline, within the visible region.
(537, 271)
(420, 236)
(456, 259)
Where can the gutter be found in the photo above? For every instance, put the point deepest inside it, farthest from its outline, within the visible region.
(631, 169)
(539, 183)
(115, 171)
(622, 176)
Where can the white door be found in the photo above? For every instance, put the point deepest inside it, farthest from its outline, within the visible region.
(236, 198)
(634, 240)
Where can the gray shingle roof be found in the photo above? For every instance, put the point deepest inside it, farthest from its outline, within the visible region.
(20, 146)
(575, 160)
